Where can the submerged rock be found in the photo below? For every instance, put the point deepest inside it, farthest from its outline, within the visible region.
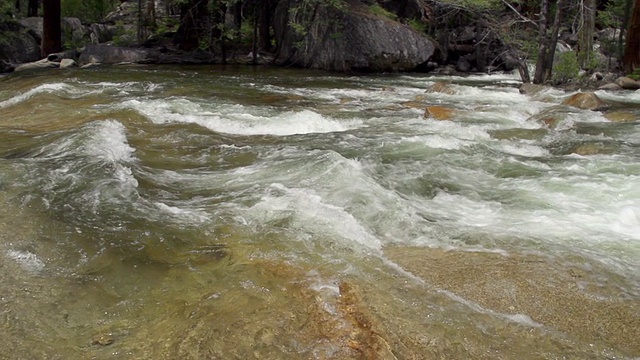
(517, 133)
(585, 101)
(573, 295)
(531, 89)
(621, 116)
(438, 112)
(551, 117)
(441, 87)
(102, 339)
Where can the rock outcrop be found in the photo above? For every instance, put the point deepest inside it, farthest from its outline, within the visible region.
(585, 101)
(106, 54)
(347, 39)
(17, 46)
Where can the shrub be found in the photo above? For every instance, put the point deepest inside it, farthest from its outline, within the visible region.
(566, 67)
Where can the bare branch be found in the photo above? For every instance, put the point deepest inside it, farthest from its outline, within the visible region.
(524, 18)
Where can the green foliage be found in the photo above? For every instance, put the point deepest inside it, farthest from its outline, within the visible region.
(418, 25)
(566, 67)
(89, 11)
(476, 5)
(124, 36)
(300, 16)
(6, 11)
(613, 14)
(635, 75)
(594, 62)
(380, 11)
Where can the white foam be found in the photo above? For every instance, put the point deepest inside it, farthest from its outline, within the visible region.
(620, 96)
(241, 123)
(27, 260)
(183, 214)
(522, 149)
(309, 213)
(44, 88)
(109, 142)
(628, 221)
(438, 142)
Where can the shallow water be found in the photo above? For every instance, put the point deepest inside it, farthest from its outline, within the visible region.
(223, 212)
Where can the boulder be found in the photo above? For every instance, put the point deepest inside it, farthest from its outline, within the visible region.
(438, 112)
(69, 54)
(463, 65)
(17, 46)
(40, 64)
(107, 54)
(441, 87)
(34, 24)
(627, 83)
(101, 33)
(349, 38)
(531, 89)
(610, 87)
(585, 101)
(74, 33)
(67, 63)
(552, 117)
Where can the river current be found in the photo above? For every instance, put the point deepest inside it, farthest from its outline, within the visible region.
(240, 213)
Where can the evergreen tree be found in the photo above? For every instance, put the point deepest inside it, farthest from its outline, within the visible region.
(631, 58)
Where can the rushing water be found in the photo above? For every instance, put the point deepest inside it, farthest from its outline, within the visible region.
(209, 212)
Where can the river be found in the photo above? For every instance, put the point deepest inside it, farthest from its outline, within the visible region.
(255, 213)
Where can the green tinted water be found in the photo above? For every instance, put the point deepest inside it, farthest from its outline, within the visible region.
(215, 213)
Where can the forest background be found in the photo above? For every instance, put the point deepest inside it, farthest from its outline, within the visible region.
(565, 39)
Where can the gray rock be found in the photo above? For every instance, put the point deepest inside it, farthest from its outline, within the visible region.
(627, 83)
(18, 46)
(107, 54)
(101, 33)
(463, 65)
(34, 24)
(67, 63)
(610, 87)
(40, 64)
(531, 89)
(349, 39)
(74, 33)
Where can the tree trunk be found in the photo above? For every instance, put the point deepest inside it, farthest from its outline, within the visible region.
(623, 27)
(51, 27)
(631, 59)
(192, 16)
(553, 40)
(254, 47)
(32, 8)
(548, 42)
(543, 43)
(264, 35)
(585, 34)
(151, 13)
